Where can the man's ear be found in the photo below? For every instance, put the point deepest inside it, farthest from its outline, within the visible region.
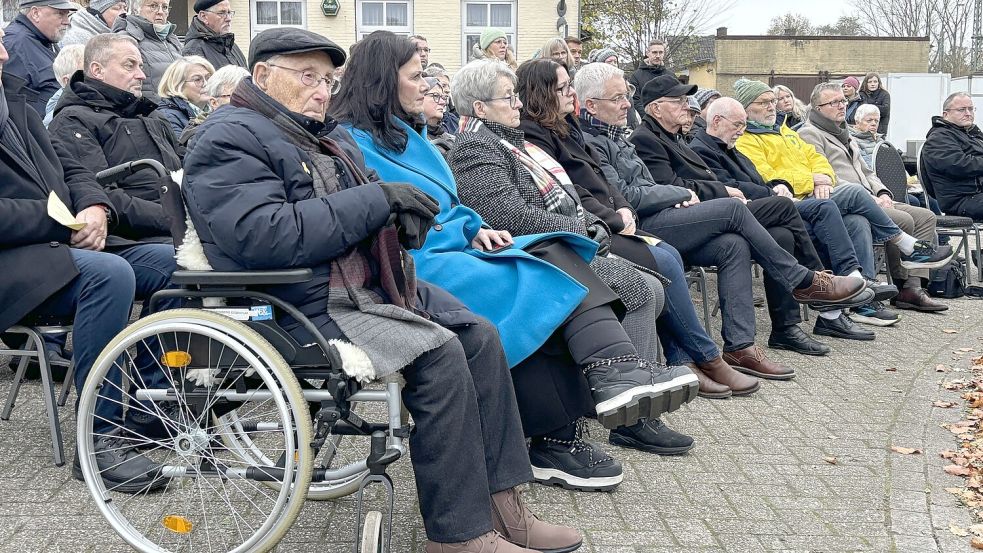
(479, 109)
(261, 74)
(590, 105)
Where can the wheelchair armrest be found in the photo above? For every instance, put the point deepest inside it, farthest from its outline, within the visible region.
(241, 278)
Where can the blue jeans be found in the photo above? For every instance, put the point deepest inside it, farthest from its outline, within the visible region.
(99, 301)
(683, 338)
(865, 221)
(829, 234)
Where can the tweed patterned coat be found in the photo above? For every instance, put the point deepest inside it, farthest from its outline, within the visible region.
(492, 181)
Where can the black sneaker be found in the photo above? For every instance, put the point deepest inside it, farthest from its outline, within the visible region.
(574, 465)
(874, 313)
(146, 421)
(882, 290)
(123, 469)
(652, 436)
(927, 256)
(626, 389)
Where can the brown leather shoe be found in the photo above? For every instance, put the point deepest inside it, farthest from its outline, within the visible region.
(492, 542)
(708, 388)
(918, 300)
(719, 371)
(752, 361)
(516, 523)
(827, 289)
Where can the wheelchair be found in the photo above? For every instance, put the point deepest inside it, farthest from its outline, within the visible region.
(253, 422)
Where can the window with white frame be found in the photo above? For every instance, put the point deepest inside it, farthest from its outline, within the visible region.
(278, 13)
(390, 15)
(478, 16)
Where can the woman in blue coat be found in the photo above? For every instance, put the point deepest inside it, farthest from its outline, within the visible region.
(541, 311)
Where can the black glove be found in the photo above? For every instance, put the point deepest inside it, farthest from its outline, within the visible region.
(406, 198)
(598, 233)
(412, 230)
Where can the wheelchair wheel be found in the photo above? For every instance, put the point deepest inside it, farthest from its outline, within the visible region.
(372, 533)
(180, 369)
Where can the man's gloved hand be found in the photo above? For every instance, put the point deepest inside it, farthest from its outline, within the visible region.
(599, 233)
(413, 212)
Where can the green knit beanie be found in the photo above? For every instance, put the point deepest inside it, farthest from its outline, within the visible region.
(490, 35)
(747, 91)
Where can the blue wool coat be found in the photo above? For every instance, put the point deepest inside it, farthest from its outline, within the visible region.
(526, 298)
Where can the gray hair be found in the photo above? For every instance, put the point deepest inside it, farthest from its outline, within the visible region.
(864, 110)
(101, 47)
(590, 80)
(816, 98)
(476, 82)
(68, 61)
(952, 97)
(225, 78)
(436, 71)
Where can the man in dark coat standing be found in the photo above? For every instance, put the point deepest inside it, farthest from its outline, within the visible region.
(652, 66)
(269, 167)
(209, 34)
(952, 158)
(32, 37)
(52, 271)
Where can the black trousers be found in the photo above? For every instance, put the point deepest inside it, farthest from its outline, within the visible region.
(782, 221)
(971, 207)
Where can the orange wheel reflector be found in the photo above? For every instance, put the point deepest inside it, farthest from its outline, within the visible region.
(176, 359)
(177, 524)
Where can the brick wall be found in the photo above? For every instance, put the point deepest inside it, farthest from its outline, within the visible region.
(438, 20)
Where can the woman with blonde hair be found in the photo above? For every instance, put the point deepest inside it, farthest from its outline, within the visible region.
(557, 50)
(494, 44)
(182, 91)
(790, 110)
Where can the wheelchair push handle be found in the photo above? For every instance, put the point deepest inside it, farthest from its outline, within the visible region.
(113, 174)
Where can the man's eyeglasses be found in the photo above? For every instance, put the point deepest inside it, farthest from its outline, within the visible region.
(224, 14)
(197, 80)
(765, 103)
(312, 79)
(564, 88)
(438, 98)
(739, 125)
(513, 100)
(837, 103)
(680, 101)
(423, 50)
(969, 109)
(159, 7)
(615, 99)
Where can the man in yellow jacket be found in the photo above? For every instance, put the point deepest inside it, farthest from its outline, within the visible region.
(778, 152)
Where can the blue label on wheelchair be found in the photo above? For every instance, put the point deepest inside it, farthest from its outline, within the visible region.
(261, 313)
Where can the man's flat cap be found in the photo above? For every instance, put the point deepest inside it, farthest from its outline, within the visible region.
(286, 40)
(56, 4)
(665, 86)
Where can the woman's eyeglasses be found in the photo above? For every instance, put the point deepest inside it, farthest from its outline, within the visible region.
(513, 100)
(438, 98)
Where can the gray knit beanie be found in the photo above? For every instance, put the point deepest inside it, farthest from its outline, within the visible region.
(102, 5)
(704, 95)
(600, 55)
(747, 91)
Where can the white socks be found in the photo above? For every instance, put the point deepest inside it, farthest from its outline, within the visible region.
(856, 273)
(831, 315)
(906, 243)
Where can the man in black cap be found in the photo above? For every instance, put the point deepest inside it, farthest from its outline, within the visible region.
(32, 39)
(300, 193)
(209, 34)
(719, 226)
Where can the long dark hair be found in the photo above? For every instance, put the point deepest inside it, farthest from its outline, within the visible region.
(369, 94)
(880, 83)
(536, 85)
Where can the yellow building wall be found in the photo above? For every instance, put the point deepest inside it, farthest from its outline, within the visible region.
(438, 20)
(703, 75)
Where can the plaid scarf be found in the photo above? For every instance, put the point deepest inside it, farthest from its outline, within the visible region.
(372, 287)
(614, 132)
(550, 177)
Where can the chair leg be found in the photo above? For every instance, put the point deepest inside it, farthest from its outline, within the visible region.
(979, 254)
(66, 386)
(15, 385)
(48, 391)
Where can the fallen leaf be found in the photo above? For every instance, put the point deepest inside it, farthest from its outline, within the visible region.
(940, 368)
(957, 470)
(976, 529)
(905, 450)
(957, 530)
(944, 404)
(955, 491)
(965, 350)
(950, 331)
(977, 543)
(891, 369)
(830, 460)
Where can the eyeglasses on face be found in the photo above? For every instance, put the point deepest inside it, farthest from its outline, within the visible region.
(837, 103)
(312, 79)
(615, 99)
(739, 125)
(224, 14)
(969, 109)
(197, 80)
(766, 103)
(513, 100)
(438, 98)
(423, 50)
(680, 101)
(155, 7)
(565, 88)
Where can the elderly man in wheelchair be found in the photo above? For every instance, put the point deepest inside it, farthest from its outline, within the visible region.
(285, 233)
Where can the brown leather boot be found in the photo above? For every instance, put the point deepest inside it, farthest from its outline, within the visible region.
(492, 542)
(708, 388)
(719, 371)
(752, 361)
(516, 523)
(827, 289)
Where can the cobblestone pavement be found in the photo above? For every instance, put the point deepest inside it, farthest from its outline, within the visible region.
(758, 480)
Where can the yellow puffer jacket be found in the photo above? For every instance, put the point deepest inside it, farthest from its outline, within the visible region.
(782, 154)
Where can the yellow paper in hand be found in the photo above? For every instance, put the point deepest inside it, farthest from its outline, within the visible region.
(650, 240)
(58, 211)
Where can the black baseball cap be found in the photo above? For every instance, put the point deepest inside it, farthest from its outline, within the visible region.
(665, 86)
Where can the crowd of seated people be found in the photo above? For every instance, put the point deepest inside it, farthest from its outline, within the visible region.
(580, 195)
